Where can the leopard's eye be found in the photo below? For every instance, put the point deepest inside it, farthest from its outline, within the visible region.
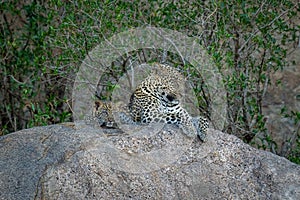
(163, 93)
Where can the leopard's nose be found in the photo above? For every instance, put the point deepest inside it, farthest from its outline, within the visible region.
(171, 97)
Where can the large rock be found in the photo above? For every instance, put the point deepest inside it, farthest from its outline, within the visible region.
(79, 162)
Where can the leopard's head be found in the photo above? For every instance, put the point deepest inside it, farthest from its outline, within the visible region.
(161, 89)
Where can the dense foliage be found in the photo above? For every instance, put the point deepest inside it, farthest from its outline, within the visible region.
(43, 44)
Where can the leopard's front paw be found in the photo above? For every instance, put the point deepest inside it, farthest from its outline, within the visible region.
(201, 124)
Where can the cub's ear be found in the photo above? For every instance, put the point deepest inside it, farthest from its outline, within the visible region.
(97, 104)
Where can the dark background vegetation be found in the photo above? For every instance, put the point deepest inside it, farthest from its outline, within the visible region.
(44, 42)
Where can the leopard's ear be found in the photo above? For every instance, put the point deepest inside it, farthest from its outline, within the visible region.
(156, 68)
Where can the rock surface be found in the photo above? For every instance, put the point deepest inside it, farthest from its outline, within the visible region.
(80, 162)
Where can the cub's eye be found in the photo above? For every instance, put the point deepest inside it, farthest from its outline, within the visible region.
(163, 93)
